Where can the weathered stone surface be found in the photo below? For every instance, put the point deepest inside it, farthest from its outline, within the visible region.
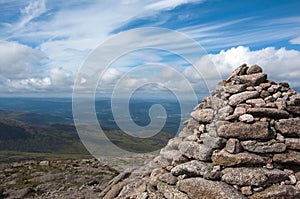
(195, 150)
(289, 127)
(253, 79)
(239, 111)
(203, 115)
(233, 146)
(254, 69)
(268, 112)
(257, 102)
(271, 146)
(185, 132)
(241, 97)
(241, 70)
(290, 157)
(292, 143)
(227, 159)
(243, 131)
(213, 142)
(173, 143)
(255, 176)
(278, 191)
(202, 188)
(170, 155)
(246, 190)
(224, 112)
(294, 110)
(168, 178)
(246, 118)
(170, 192)
(192, 168)
(235, 88)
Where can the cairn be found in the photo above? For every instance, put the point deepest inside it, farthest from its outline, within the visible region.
(243, 141)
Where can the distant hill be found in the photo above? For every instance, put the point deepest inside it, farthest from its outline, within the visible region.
(30, 132)
(33, 118)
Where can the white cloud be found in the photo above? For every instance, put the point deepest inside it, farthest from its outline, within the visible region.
(280, 64)
(18, 60)
(295, 40)
(169, 4)
(34, 9)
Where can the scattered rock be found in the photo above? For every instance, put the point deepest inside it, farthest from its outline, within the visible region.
(227, 159)
(241, 97)
(242, 131)
(193, 168)
(278, 191)
(233, 146)
(196, 187)
(271, 146)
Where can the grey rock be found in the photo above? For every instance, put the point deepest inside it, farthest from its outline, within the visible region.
(202, 188)
(233, 146)
(248, 118)
(170, 192)
(213, 142)
(253, 79)
(278, 191)
(288, 127)
(203, 115)
(254, 69)
(243, 131)
(195, 150)
(224, 112)
(241, 70)
(170, 155)
(192, 168)
(168, 178)
(289, 157)
(271, 146)
(224, 158)
(241, 97)
(292, 143)
(295, 110)
(257, 102)
(235, 88)
(255, 176)
(268, 112)
(173, 143)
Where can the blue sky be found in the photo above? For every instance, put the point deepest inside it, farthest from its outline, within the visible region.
(43, 43)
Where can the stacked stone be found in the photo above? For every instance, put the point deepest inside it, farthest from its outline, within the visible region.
(243, 141)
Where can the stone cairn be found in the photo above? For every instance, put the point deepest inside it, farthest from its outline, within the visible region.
(243, 141)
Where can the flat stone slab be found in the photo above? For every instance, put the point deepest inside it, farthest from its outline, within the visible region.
(268, 112)
(241, 97)
(224, 158)
(278, 191)
(271, 146)
(253, 176)
(202, 188)
(292, 143)
(203, 115)
(290, 157)
(289, 127)
(195, 150)
(243, 131)
(193, 168)
(251, 80)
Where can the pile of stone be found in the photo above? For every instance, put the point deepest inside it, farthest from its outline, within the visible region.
(243, 141)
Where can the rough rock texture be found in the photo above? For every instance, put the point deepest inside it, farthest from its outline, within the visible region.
(243, 141)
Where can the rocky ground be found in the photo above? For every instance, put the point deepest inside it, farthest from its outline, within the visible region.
(54, 179)
(73, 178)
